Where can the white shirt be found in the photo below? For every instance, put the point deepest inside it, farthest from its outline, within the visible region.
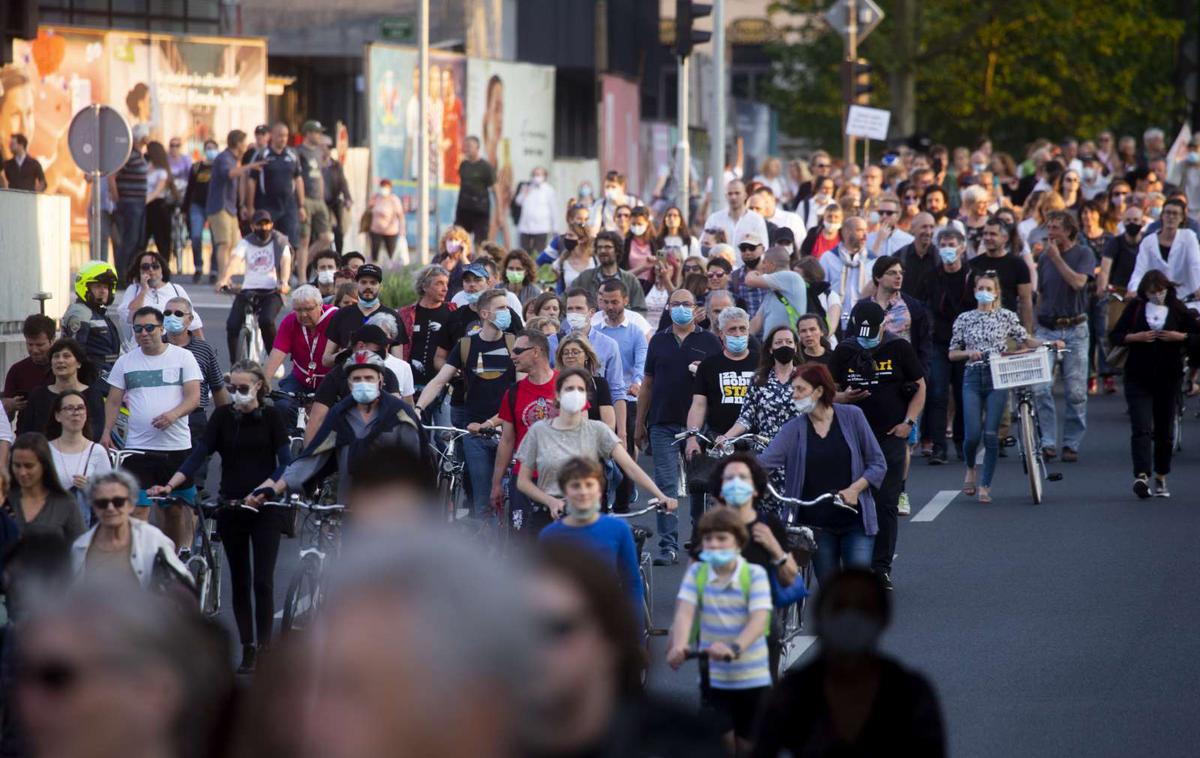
(1182, 265)
(539, 209)
(260, 263)
(147, 541)
(632, 318)
(403, 372)
(899, 239)
(748, 222)
(514, 302)
(792, 221)
(157, 298)
(91, 460)
(153, 385)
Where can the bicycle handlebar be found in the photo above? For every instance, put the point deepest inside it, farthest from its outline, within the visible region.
(455, 431)
(301, 395)
(654, 504)
(693, 655)
(832, 498)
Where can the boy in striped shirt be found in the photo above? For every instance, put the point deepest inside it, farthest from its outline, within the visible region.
(733, 600)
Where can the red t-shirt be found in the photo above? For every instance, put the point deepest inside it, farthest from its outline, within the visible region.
(823, 245)
(535, 402)
(306, 346)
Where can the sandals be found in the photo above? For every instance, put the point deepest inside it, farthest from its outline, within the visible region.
(969, 489)
(984, 496)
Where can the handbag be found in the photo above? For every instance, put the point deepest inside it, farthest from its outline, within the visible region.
(1117, 355)
(364, 222)
(699, 470)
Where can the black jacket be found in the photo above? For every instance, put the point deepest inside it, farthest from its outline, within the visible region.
(1155, 363)
(919, 332)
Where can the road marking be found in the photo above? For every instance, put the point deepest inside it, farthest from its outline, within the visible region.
(797, 649)
(935, 506)
(304, 604)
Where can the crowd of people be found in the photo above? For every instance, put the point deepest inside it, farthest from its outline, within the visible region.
(843, 319)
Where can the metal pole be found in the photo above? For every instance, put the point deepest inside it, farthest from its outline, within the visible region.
(98, 254)
(683, 148)
(851, 57)
(423, 134)
(716, 159)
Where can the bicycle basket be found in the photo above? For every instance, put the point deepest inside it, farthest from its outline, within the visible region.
(1020, 370)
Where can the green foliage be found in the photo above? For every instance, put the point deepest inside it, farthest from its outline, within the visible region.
(1011, 69)
(399, 287)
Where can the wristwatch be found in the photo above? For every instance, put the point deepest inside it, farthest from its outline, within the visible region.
(910, 422)
(782, 560)
(736, 648)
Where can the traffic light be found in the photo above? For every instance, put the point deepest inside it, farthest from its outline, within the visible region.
(860, 82)
(686, 13)
(18, 19)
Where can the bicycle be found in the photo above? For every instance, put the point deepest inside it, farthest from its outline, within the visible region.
(645, 569)
(452, 471)
(250, 340)
(714, 451)
(1020, 373)
(117, 455)
(323, 537)
(303, 400)
(202, 559)
(702, 658)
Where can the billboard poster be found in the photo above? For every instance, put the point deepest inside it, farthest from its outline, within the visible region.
(395, 120)
(193, 88)
(515, 139)
(620, 122)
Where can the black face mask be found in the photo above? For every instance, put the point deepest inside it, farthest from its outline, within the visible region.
(569, 244)
(784, 354)
(751, 264)
(1133, 229)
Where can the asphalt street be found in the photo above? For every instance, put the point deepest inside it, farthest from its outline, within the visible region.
(1064, 629)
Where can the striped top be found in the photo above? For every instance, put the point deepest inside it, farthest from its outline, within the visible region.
(131, 179)
(211, 375)
(724, 612)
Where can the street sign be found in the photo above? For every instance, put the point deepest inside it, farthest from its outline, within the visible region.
(871, 123)
(869, 16)
(99, 139)
(398, 29)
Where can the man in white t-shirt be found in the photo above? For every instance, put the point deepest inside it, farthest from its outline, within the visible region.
(737, 220)
(160, 383)
(263, 256)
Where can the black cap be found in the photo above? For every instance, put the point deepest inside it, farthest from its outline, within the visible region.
(371, 333)
(866, 320)
(783, 234)
(369, 270)
(262, 129)
(262, 216)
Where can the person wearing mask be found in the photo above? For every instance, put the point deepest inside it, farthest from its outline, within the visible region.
(730, 218)
(824, 235)
(751, 248)
(160, 384)
(672, 359)
(87, 320)
(493, 279)
(603, 211)
(265, 258)
(920, 258)
(278, 187)
(819, 709)
(1154, 328)
(476, 177)
(335, 386)
(1173, 250)
(36, 499)
(252, 440)
(787, 294)
(316, 225)
(575, 259)
(951, 294)
(127, 188)
(520, 276)
(195, 203)
(224, 196)
(347, 321)
(580, 312)
(387, 228)
(302, 336)
(575, 351)
(325, 266)
(883, 375)
(1065, 270)
(1016, 284)
(32, 371)
(812, 208)
(72, 372)
(176, 319)
(847, 268)
(539, 205)
(149, 283)
(977, 334)
(1117, 262)
(768, 405)
(75, 452)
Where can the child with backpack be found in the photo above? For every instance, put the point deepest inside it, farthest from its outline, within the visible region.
(724, 608)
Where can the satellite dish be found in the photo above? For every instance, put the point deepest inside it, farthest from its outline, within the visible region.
(99, 139)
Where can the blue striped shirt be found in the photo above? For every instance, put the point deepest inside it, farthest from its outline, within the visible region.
(724, 611)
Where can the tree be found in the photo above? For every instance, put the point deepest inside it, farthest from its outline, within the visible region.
(1010, 69)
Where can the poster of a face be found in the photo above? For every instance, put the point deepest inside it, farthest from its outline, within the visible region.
(515, 139)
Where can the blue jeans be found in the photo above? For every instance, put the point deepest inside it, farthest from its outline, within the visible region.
(196, 221)
(479, 454)
(1075, 379)
(838, 550)
(944, 377)
(665, 453)
(286, 405)
(979, 398)
(130, 217)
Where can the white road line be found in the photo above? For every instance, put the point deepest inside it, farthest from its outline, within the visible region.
(935, 506)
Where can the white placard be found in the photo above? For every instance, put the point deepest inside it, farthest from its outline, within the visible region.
(868, 122)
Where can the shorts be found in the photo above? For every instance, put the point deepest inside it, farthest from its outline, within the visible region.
(223, 226)
(156, 467)
(318, 222)
(735, 710)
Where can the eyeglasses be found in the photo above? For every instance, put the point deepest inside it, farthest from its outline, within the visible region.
(73, 409)
(150, 266)
(147, 328)
(242, 388)
(682, 304)
(716, 274)
(624, 215)
(523, 350)
(882, 212)
(177, 314)
(569, 353)
(104, 503)
(693, 270)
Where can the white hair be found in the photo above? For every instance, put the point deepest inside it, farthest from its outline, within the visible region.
(386, 322)
(1153, 133)
(729, 315)
(974, 194)
(306, 293)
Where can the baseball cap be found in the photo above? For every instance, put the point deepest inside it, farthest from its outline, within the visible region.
(783, 234)
(141, 131)
(866, 320)
(312, 125)
(369, 270)
(750, 238)
(261, 215)
(477, 270)
(262, 129)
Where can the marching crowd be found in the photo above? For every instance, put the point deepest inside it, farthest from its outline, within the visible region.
(844, 319)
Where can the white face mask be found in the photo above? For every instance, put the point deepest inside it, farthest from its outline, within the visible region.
(325, 277)
(804, 405)
(242, 399)
(572, 401)
(577, 320)
(385, 191)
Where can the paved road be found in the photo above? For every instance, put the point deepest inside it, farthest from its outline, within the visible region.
(1056, 630)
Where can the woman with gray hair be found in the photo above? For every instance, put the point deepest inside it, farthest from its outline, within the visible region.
(398, 366)
(424, 320)
(302, 337)
(118, 546)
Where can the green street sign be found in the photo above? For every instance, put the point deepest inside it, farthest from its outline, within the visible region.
(398, 29)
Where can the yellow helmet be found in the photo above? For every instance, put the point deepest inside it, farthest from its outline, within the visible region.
(96, 271)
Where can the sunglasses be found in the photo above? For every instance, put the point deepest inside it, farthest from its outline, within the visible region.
(151, 266)
(103, 503)
(747, 248)
(822, 165)
(147, 328)
(693, 270)
(177, 314)
(245, 389)
(716, 274)
(522, 350)
(889, 213)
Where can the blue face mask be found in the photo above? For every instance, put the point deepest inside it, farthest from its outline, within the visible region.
(211, 154)
(472, 297)
(502, 319)
(948, 254)
(870, 343)
(364, 392)
(718, 558)
(365, 304)
(737, 491)
(985, 297)
(737, 345)
(173, 324)
(681, 314)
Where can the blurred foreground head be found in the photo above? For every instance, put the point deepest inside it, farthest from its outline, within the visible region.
(853, 609)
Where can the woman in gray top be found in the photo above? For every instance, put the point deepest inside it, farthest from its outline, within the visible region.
(37, 500)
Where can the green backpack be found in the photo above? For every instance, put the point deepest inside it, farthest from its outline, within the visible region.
(744, 579)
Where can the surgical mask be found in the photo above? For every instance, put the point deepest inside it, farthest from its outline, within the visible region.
(979, 168)
(985, 297)
(1158, 298)
(613, 194)
(833, 226)
(850, 631)
(804, 405)
(173, 325)
(366, 304)
(572, 401)
(873, 219)
(870, 343)
(326, 276)
(681, 314)
(502, 319)
(585, 191)
(583, 511)
(737, 491)
(948, 254)
(718, 558)
(785, 354)
(1155, 212)
(385, 191)
(1193, 159)
(737, 345)
(1133, 229)
(242, 399)
(638, 229)
(821, 199)
(577, 321)
(1089, 174)
(538, 180)
(515, 277)
(706, 250)
(471, 297)
(211, 154)
(453, 246)
(364, 392)
(788, 246)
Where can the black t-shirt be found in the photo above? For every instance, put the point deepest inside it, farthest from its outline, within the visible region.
(724, 382)
(824, 358)
(950, 294)
(918, 270)
(1123, 254)
(888, 372)
(275, 188)
(1012, 272)
(487, 374)
(334, 386)
(464, 322)
(23, 176)
(428, 324)
(599, 395)
(475, 178)
(754, 552)
(348, 320)
(247, 444)
(826, 469)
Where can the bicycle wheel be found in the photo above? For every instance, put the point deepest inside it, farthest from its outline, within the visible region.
(1177, 429)
(197, 566)
(213, 607)
(244, 343)
(303, 596)
(1031, 454)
